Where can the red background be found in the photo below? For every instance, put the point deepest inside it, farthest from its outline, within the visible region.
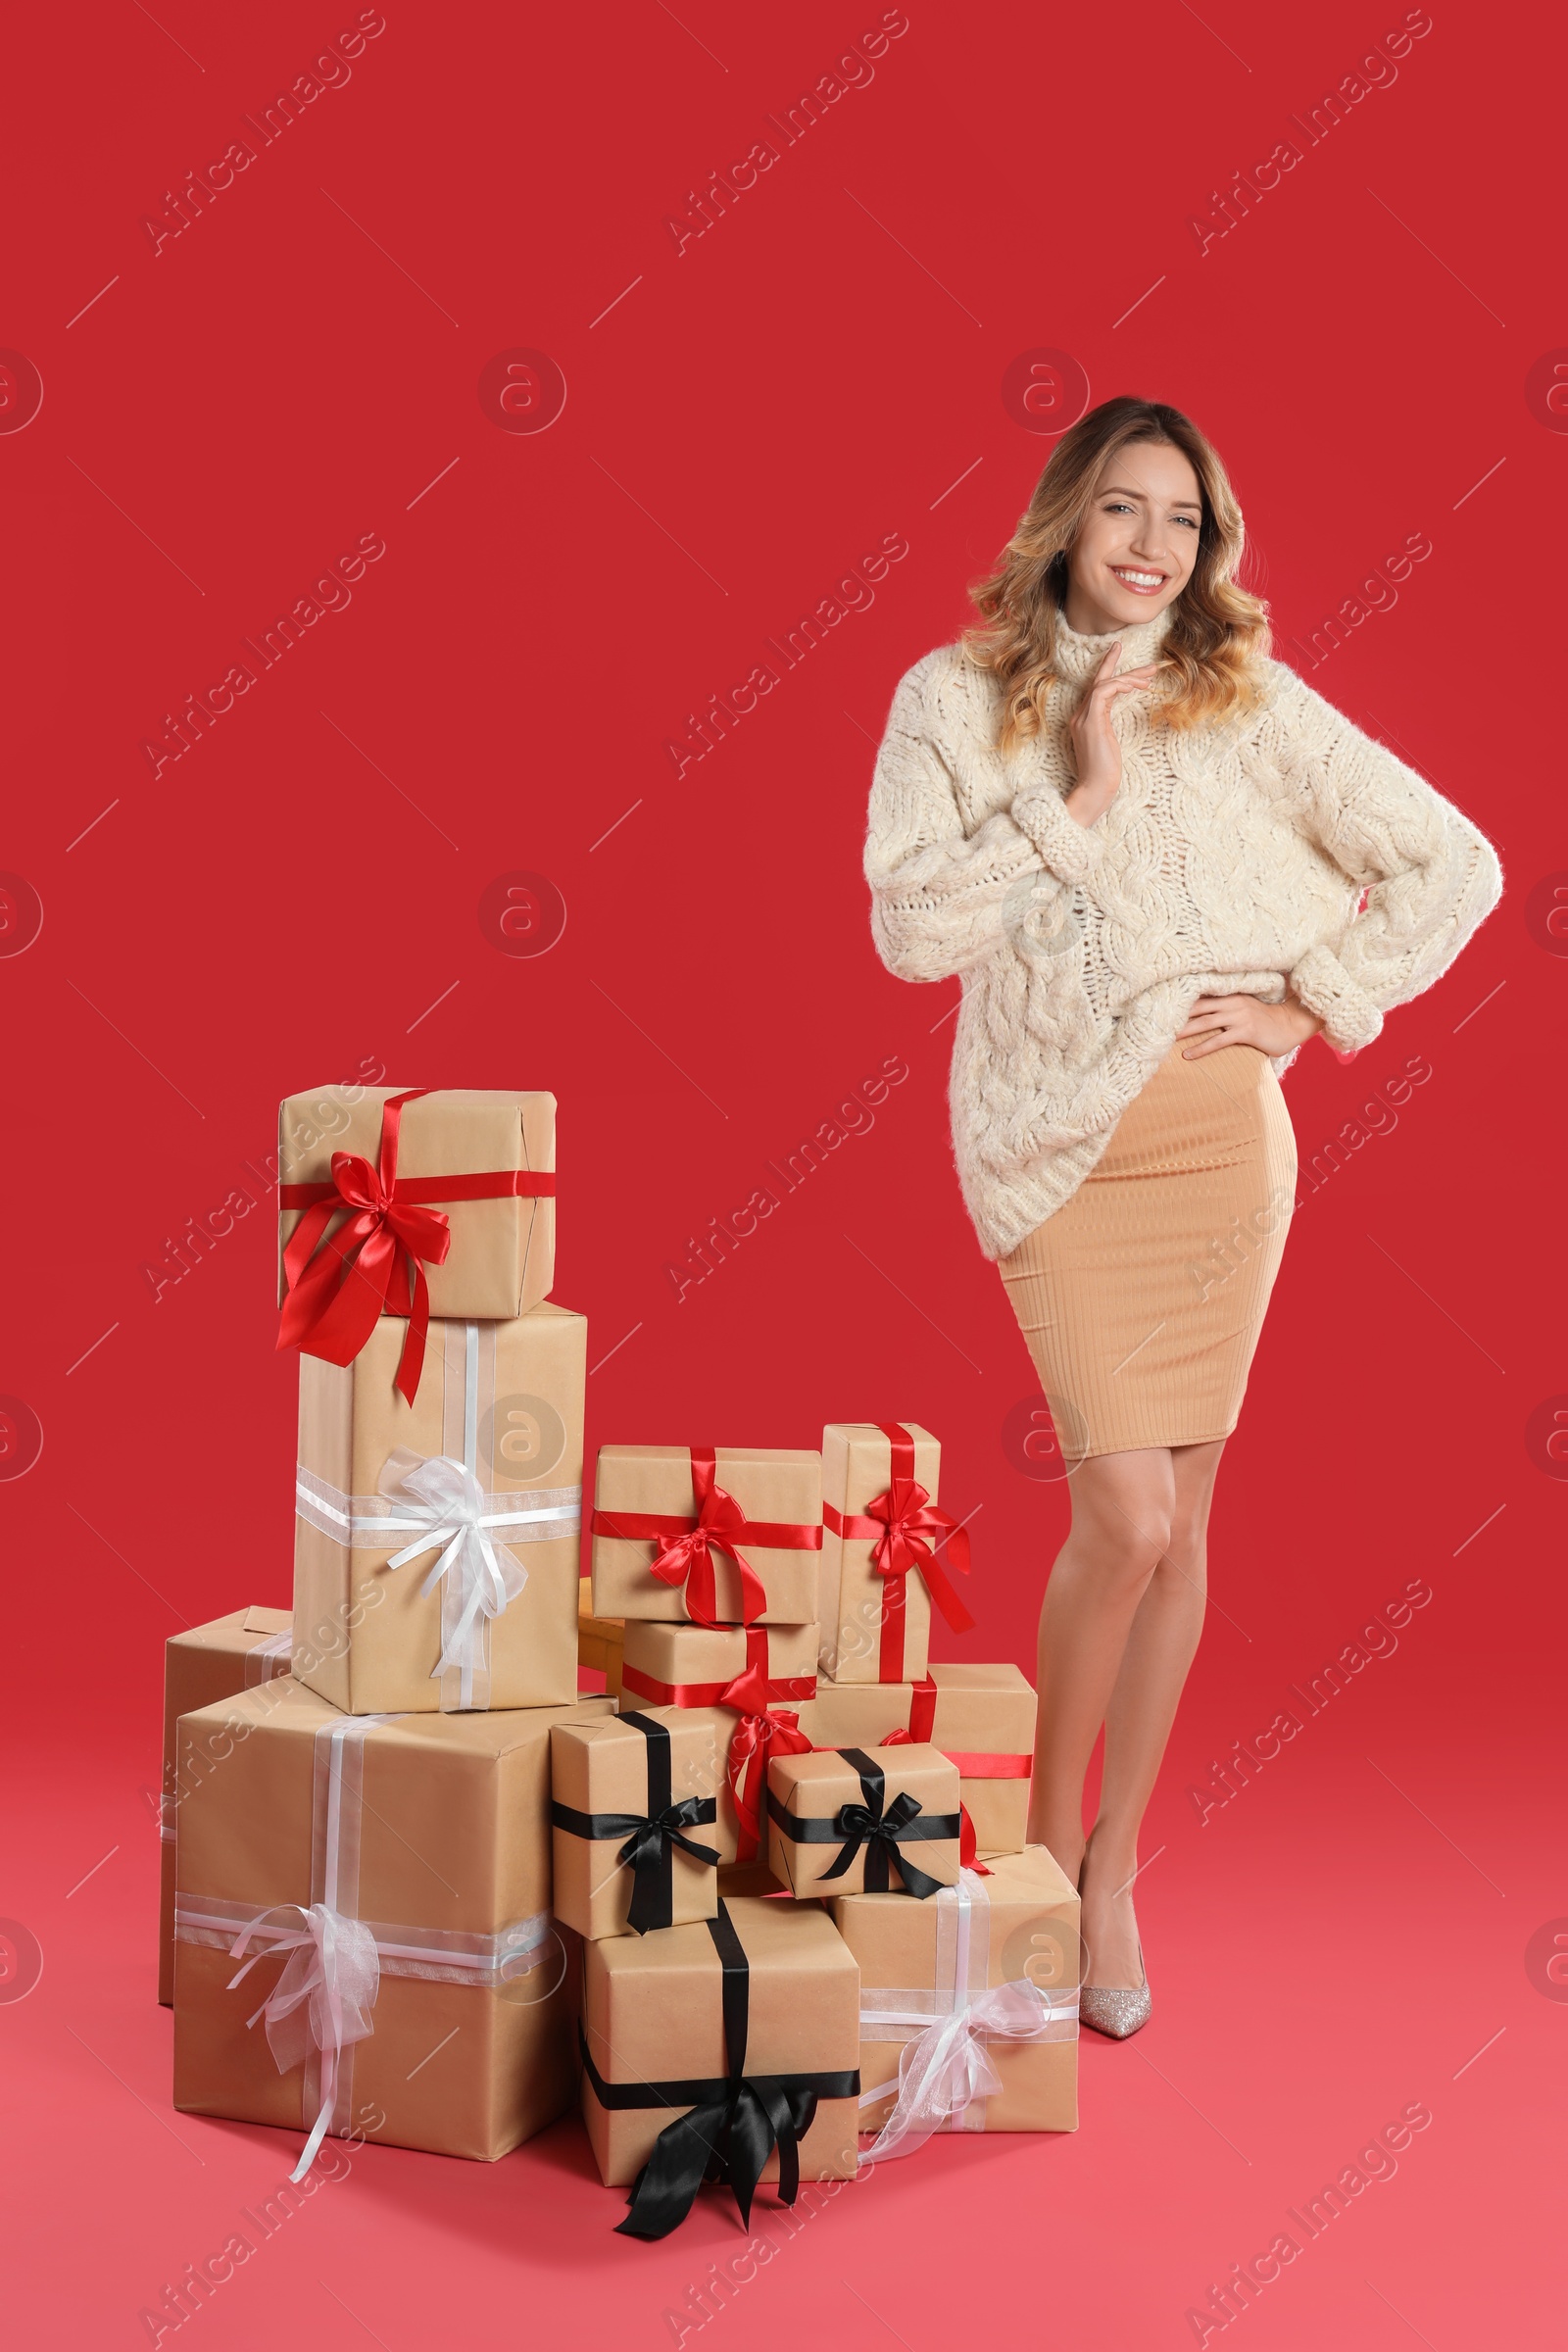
(755, 415)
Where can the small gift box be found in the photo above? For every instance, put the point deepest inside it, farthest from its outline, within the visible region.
(726, 2049)
(746, 1680)
(981, 1717)
(377, 1891)
(632, 1803)
(600, 1640)
(845, 1820)
(710, 1535)
(436, 1544)
(968, 2006)
(412, 1203)
(201, 1664)
(880, 1573)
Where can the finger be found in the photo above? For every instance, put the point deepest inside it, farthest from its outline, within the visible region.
(1208, 1045)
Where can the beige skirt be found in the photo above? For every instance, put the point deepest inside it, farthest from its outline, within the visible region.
(1142, 1297)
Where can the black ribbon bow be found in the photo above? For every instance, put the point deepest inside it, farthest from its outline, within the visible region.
(734, 2121)
(883, 1830)
(650, 1838)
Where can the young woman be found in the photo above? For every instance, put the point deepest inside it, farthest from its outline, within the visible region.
(1159, 863)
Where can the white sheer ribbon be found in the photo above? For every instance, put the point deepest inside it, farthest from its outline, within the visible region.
(269, 1657)
(438, 1502)
(437, 1955)
(945, 2071)
(446, 1503)
(323, 2000)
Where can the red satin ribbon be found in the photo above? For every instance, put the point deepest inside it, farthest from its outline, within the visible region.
(685, 1547)
(711, 1695)
(373, 1264)
(905, 1526)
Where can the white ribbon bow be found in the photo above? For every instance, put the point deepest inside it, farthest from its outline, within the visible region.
(446, 1502)
(323, 1998)
(948, 2065)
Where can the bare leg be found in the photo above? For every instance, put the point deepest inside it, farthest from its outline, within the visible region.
(1142, 1707)
(1123, 1507)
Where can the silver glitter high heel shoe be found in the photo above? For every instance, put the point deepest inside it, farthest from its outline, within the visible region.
(1117, 2010)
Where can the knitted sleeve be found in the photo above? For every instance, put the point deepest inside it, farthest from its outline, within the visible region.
(1431, 877)
(940, 895)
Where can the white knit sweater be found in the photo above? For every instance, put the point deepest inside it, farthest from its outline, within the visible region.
(1232, 860)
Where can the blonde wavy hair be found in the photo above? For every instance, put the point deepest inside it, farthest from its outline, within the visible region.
(1218, 636)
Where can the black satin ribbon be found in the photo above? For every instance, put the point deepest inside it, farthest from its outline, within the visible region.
(650, 1838)
(734, 2123)
(883, 1830)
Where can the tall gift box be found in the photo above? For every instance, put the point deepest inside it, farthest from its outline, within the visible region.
(204, 1663)
(981, 1717)
(884, 1545)
(746, 1681)
(846, 1819)
(383, 1887)
(411, 1202)
(728, 2047)
(437, 1542)
(633, 1799)
(707, 1534)
(968, 2004)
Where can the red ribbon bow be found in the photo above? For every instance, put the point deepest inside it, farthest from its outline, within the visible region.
(905, 1526)
(685, 1547)
(363, 1271)
(372, 1265)
(757, 1735)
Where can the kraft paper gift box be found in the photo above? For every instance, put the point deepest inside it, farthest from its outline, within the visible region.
(746, 1681)
(880, 1570)
(632, 1806)
(985, 1972)
(370, 1176)
(741, 2032)
(396, 1871)
(669, 1520)
(981, 1717)
(844, 1819)
(201, 1664)
(600, 1640)
(480, 1476)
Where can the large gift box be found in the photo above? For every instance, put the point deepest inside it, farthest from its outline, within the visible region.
(710, 1535)
(746, 1681)
(381, 1886)
(880, 1572)
(845, 1820)
(981, 1717)
(727, 2049)
(633, 1799)
(436, 1544)
(968, 2004)
(204, 1663)
(410, 1203)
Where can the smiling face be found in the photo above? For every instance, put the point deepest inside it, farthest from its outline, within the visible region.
(1135, 551)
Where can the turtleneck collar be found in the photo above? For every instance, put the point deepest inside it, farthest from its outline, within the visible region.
(1079, 655)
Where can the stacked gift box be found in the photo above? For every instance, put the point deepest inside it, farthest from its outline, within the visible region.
(767, 1890)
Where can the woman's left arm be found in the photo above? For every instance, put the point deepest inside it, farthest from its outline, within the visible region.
(1430, 876)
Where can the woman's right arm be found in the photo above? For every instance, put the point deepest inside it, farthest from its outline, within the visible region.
(939, 897)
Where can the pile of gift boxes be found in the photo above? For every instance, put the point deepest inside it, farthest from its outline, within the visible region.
(764, 1906)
